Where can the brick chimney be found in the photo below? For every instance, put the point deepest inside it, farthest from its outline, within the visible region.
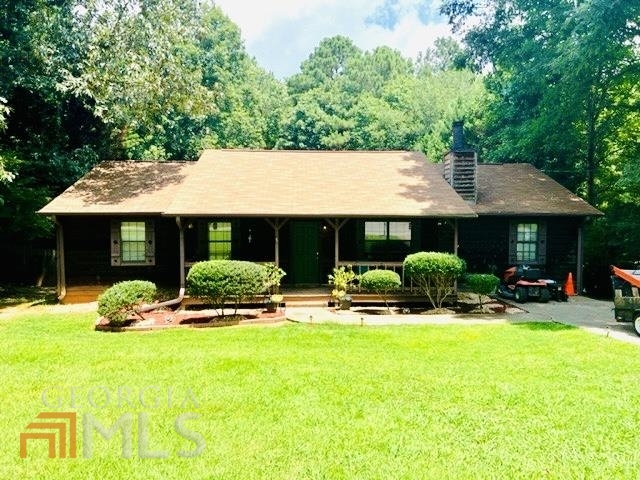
(460, 166)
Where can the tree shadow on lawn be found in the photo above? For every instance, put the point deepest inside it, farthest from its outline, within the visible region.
(12, 296)
(544, 326)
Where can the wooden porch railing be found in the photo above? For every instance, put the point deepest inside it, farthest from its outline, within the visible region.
(360, 267)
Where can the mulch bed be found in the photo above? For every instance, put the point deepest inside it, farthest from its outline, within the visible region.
(163, 319)
(468, 306)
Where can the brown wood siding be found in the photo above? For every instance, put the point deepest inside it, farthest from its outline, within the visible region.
(484, 244)
(88, 259)
(562, 247)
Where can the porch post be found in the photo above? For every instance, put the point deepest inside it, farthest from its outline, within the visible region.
(277, 224)
(181, 249)
(61, 284)
(580, 259)
(455, 237)
(336, 224)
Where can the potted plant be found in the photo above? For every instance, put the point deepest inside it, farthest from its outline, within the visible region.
(273, 276)
(341, 279)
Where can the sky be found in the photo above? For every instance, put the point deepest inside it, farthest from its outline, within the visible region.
(281, 34)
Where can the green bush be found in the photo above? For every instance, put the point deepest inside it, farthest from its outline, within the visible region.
(434, 273)
(222, 281)
(481, 284)
(381, 282)
(122, 299)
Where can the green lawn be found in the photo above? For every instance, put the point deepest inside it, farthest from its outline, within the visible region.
(329, 402)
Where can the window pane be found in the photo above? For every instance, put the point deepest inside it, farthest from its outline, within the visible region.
(375, 231)
(132, 231)
(527, 232)
(387, 241)
(220, 232)
(527, 242)
(400, 231)
(220, 240)
(132, 242)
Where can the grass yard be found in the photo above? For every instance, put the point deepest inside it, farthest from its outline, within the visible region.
(326, 402)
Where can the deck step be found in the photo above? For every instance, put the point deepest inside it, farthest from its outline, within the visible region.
(83, 294)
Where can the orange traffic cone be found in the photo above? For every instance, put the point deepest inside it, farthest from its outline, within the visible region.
(569, 288)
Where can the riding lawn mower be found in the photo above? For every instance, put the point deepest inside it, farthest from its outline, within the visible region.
(522, 283)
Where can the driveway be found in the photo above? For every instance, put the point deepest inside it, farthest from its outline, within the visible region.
(595, 316)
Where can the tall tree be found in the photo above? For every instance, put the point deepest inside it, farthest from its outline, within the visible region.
(558, 72)
(348, 99)
(136, 71)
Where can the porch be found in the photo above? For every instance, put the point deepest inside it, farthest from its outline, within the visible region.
(308, 249)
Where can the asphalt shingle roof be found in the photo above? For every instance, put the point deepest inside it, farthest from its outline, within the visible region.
(522, 189)
(311, 184)
(122, 187)
(316, 183)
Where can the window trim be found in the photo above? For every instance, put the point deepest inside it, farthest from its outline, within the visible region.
(116, 243)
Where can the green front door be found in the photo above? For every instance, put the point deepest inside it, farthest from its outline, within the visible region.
(305, 252)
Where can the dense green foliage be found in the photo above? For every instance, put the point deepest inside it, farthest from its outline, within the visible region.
(347, 99)
(481, 283)
(434, 273)
(121, 300)
(381, 282)
(222, 281)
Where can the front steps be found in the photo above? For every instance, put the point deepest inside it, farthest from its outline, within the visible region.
(83, 294)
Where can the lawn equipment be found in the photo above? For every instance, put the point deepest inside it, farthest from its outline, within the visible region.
(523, 283)
(626, 300)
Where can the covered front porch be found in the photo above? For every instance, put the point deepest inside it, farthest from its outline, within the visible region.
(309, 248)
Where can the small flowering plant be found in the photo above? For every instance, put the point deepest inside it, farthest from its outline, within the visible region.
(342, 279)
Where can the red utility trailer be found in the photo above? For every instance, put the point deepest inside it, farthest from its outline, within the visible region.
(626, 297)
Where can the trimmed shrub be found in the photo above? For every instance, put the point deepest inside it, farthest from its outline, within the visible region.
(434, 273)
(381, 282)
(222, 281)
(481, 284)
(121, 300)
